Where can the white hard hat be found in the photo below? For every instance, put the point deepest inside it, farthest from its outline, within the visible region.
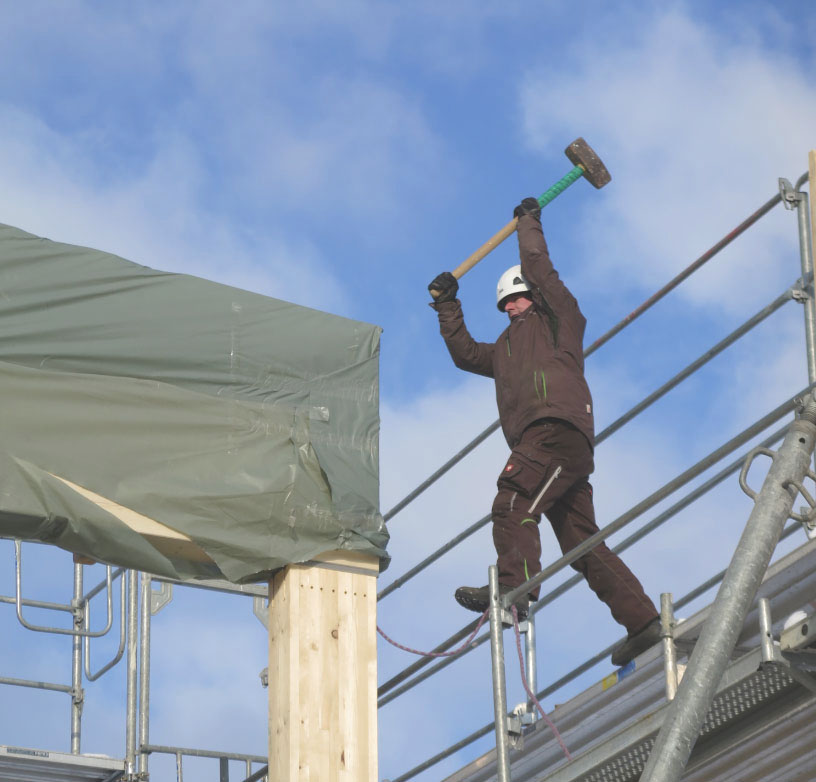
(509, 283)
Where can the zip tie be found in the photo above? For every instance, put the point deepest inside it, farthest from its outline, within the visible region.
(529, 691)
(437, 654)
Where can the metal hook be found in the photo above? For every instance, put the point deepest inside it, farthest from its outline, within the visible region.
(18, 557)
(749, 460)
(87, 641)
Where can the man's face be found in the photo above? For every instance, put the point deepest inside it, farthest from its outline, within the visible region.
(517, 303)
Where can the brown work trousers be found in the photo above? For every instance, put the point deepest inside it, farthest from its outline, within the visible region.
(530, 484)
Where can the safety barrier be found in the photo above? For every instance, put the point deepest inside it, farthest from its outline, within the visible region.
(800, 291)
(138, 605)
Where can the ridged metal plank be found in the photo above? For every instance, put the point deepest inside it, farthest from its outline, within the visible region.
(20, 764)
(614, 723)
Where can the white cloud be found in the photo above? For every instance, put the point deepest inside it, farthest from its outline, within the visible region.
(297, 126)
(692, 124)
(154, 218)
(776, 368)
(418, 434)
(220, 150)
(206, 690)
(360, 148)
(694, 127)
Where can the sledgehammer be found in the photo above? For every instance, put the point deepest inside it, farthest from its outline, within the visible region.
(587, 164)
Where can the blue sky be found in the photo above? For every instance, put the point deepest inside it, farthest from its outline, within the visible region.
(340, 156)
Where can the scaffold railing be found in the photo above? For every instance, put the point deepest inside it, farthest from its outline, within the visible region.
(800, 291)
(139, 604)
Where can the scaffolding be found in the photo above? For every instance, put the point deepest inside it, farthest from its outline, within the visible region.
(610, 725)
(141, 597)
(510, 728)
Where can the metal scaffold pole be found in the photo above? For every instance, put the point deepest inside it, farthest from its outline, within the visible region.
(806, 254)
(144, 672)
(739, 587)
(499, 684)
(77, 695)
(794, 198)
(131, 726)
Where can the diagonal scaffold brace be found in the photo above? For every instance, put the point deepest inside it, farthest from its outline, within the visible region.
(773, 506)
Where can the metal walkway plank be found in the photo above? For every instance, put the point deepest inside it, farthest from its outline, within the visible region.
(19, 764)
(610, 727)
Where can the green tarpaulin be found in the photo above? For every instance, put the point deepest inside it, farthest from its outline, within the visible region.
(246, 424)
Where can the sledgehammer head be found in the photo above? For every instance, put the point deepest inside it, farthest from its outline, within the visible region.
(581, 154)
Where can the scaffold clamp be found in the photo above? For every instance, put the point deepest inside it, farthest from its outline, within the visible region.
(807, 514)
(749, 460)
(800, 295)
(790, 195)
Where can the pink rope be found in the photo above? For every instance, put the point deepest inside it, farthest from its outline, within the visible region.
(527, 686)
(437, 654)
(464, 646)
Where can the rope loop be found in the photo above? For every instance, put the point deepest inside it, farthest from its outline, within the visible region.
(529, 692)
(437, 654)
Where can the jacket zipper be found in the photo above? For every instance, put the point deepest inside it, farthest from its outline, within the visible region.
(544, 489)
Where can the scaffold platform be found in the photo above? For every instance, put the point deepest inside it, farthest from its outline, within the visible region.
(19, 764)
(758, 729)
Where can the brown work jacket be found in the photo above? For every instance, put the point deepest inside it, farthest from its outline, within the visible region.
(538, 361)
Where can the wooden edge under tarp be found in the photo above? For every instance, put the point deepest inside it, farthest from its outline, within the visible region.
(164, 539)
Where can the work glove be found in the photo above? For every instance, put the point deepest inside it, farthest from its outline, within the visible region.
(529, 206)
(445, 286)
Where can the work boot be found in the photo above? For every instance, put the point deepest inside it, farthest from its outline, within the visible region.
(637, 644)
(478, 599)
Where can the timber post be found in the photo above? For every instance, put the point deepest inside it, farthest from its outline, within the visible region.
(323, 670)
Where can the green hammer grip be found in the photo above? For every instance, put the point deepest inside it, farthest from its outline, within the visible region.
(560, 186)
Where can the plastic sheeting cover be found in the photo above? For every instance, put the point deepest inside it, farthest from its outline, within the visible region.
(240, 431)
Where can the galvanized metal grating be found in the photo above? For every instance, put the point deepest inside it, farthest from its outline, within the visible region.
(732, 704)
(19, 764)
(624, 767)
(748, 694)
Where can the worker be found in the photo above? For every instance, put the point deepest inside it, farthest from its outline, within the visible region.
(545, 409)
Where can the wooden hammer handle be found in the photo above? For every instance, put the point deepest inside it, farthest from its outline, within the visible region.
(497, 238)
(491, 244)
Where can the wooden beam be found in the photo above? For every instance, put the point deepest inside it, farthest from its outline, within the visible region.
(323, 670)
(322, 655)
(168, 541)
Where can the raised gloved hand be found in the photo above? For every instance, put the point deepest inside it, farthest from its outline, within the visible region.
(444, 287)
(529, 206)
